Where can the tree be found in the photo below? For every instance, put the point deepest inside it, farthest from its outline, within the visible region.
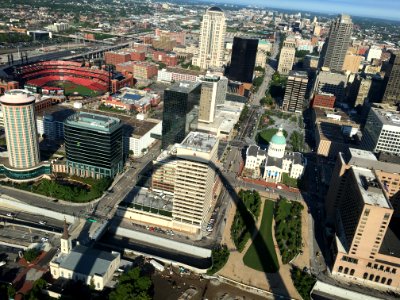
(11, 292)
(31, 254)
(301, 53)
(132, 285)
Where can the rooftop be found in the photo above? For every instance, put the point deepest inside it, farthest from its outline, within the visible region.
(302, 74)
(149, 200)
(183, 86)
(94, 121)
(88, 261)
(387, 117)
(215, 8)
(199, 141)
(369, 187)
(17, 96)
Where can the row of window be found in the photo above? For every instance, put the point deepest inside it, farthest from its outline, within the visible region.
(378, 279)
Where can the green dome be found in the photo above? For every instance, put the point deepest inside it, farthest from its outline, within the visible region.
(279, 138)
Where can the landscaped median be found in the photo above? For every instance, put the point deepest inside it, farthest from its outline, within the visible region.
(261, 255)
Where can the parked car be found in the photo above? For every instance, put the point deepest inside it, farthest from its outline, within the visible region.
(10, 214)
(41, 222)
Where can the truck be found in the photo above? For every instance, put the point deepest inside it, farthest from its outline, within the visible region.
(157, 265)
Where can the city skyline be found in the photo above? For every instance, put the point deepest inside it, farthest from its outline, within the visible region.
(366, 8)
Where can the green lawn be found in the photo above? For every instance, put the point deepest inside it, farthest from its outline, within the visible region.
(266, 135)
(289, 181)
(261, 255)
(70, 88)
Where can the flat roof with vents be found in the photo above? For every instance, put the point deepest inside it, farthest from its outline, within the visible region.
(199, 141)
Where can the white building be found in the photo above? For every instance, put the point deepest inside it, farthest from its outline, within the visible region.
(255, 157)
(278, 161)
(212, 37)
(89, 265)
(374, 52)
(140, 142)
(382, 131)
(286, 58)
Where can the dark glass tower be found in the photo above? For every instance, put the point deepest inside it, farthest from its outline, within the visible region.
(243, 60)
(392, 80)
(93, 145)
(181, 112)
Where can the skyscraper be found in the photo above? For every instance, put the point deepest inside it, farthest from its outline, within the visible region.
(337, 43)
(93, 144)
(295, 92)
(286, 58)
(188, 171)
(392, 91)
(20, 128)
(243, 60)
(213, 93)
(181, 111)
(212, 35)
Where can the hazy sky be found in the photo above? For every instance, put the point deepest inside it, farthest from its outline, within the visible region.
(384, 9)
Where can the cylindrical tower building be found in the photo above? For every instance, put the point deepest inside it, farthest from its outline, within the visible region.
(20, 127)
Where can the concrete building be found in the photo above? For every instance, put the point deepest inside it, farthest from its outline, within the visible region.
(337, 43)
(365, 245)
(361, 87)
(334, 131)
(286, 57)
(91, 266)
(382, 131)
(392, 80)
(311, 62)
(213, 93)
(185, 175)
(374, 52)
(181, 111)
(212, 35)
(331, 83)
(18, 107)
(295, 92)
(171, 74)
(93, 145)
(261, 58)
(352, 63)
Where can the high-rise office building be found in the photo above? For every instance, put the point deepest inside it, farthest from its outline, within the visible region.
(337, 43)
(181, 111)
(212, 36)
(20, 128)
(286, 58)
(213, 93)
(382, 131)
(188, 171)
(93, 145)
(295, 92)
(392, 79)
(243, 60)
(359, 204)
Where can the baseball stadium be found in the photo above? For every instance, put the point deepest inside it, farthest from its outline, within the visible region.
(69, 78)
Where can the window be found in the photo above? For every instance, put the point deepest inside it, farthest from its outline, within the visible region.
(377, 278)
(371, 277)
(340, 269)
(346, 270)
(352, 272)
(365, 275)
(366, 212)
(383, 280)
(389, 282)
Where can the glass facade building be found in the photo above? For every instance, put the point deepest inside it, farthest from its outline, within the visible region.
(181, 111)
(243, 60)
(94, 145)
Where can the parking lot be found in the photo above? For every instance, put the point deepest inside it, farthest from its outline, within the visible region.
(17, 235)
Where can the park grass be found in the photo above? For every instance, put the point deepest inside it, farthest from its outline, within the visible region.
(261, 255)
(70, 88)
(266, 135)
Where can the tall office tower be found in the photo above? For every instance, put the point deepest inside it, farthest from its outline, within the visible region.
(20, 128)
(212, 36)
(382, 131)
(213, 93)
(94, 145)
(243, 59)
(392, 90)
(286, 58)
(337, 43)
(188, 171)
(181, 111)
(295, 92)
